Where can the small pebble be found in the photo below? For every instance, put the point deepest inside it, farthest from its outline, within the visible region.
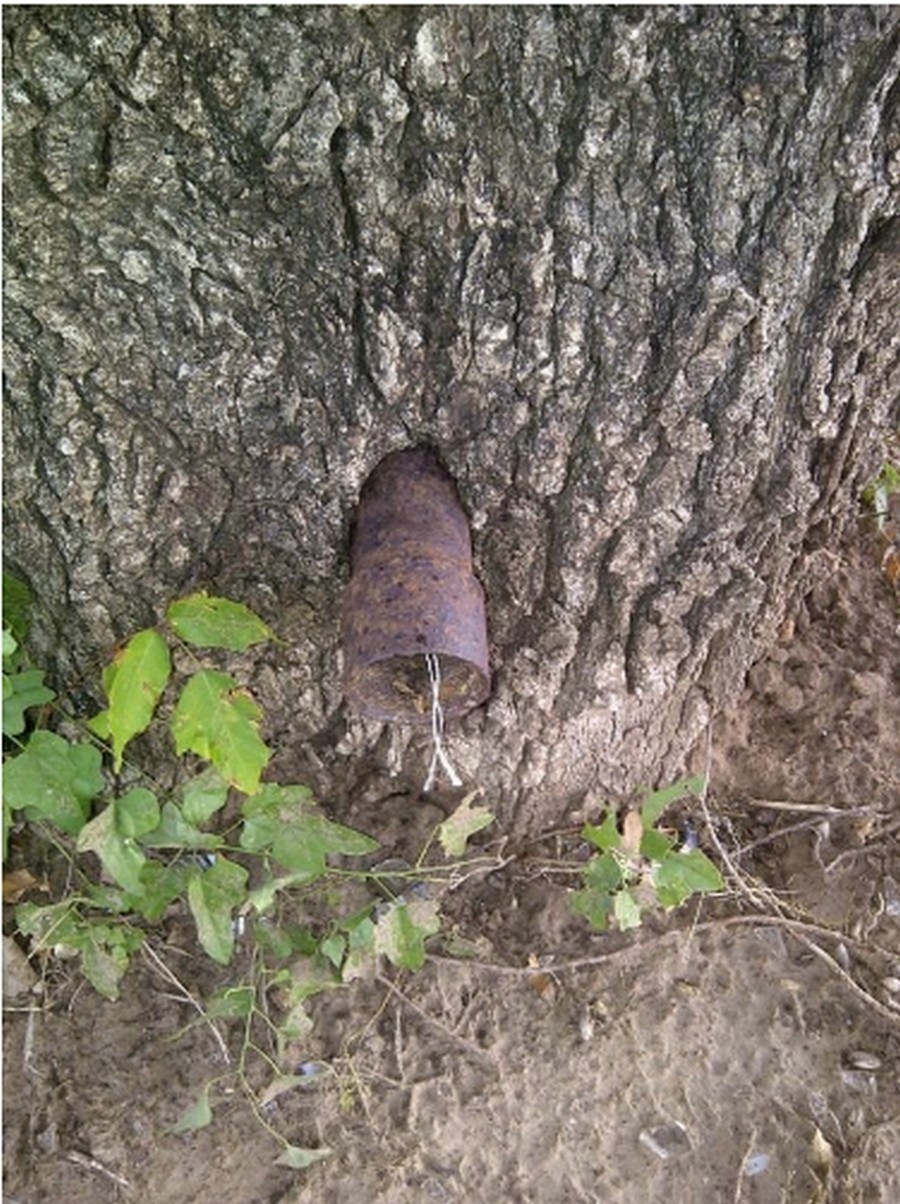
(755, 1164)
(859, 1080)
(892, 985)
(861, 1060)
(666, 1141)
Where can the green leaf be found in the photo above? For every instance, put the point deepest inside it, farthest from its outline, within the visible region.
(878, 493)
(10, 644)
(21, 691)
(203, 796)
(334, 947)
(604, 873)
(283, 1083)
(216, 623)
(54, 924)
(627, 910)
(655, 845)
(107, 898)
(99, 725)
(296, 1025)
(298, 1159)
(120, 855)
(134, 684)
(360, 960)
(173, 832)
(262, 897)
(281, 820)
(604, 876)
(273, 940)
(111, 835)
(16, 606)
(606, 837)
(309, 976)
(103, 966)
(232, 1003)
(655, 804)
(197, 1116)
(137, 812)
(681, 875)
(219, 721)
(269, 810)
(105, 949)
(7, 826)
(465, 821)
(212, 895)
(158, 886)
(105, 954)
(595, 906)
(401, 931)
(53, 780)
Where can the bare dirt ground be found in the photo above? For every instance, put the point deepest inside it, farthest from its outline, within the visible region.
(735, 1053)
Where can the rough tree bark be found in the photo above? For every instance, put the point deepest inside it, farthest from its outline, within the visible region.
(634, 272)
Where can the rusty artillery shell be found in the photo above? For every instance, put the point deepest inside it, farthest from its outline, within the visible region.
(412, 591)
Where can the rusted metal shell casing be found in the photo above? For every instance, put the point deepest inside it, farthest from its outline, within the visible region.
(412, 591)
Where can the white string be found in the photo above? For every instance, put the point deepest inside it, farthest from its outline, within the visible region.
(438, 757)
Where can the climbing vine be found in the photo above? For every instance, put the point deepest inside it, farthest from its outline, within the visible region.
(235, 850)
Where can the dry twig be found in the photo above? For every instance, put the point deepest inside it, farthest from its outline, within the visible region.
(91, 1164)
(184, 994)
(433, 1020)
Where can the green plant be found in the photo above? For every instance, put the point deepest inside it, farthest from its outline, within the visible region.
(244, 856)
(23, 686)
(639, 866)
(154, 850)
(258, 864)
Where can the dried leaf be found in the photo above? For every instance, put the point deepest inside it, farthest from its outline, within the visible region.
(19, 882)
(632, 831)
(627, 910)
(197, 1116)
(821, 1155)
(299, 1159)
(402, 929)
(465, 821)
(280, 1084)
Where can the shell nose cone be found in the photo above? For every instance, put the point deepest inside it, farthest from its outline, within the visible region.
(412, 591)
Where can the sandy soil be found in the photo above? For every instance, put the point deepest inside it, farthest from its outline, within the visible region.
(716, 1057)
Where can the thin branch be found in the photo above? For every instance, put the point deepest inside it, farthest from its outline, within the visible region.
(848, 980)
(765, 804)
(91, 1164)
(802, 826)
(799, 928)
(433, 1020)
(761, 898)
(184, 994)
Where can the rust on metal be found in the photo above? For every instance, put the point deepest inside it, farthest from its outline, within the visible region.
(412, 591)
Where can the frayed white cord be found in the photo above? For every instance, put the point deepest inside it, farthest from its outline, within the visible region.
(438, 757)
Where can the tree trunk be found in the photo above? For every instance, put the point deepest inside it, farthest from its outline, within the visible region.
(632, 271)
